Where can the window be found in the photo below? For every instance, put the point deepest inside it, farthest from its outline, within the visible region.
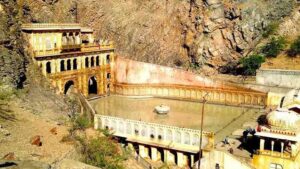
(86, 62)
(97, 61)
(75, 64)
(69, 64)
(107, 59)
(92, 62)
(275, 166)
(62, 65)
(48, 67)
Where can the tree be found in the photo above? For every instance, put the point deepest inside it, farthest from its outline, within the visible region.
(251, 63)
(274, 47)
(295, 48)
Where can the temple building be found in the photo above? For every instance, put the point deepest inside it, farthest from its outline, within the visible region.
(71, 57)
(280, 137)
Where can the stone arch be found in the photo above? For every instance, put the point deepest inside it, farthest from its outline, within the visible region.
(169, 135)
(128, 128)
(92, 85)
(178, 137)
(48, 67)
(97, 61)
(107, 59)
(187, 139)
(86, 62)
(75, 64)
(69, 64)
(161, 133)
(68, 86)
(92, 61)
(121, 127)
(195, 140)
(62, 65)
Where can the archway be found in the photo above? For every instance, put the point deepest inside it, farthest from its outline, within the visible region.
(48, 67)
(69, 87)
(92, 62)
(92, 83)
(86, 62)
(75, 64)
(107, 59)
(97, 61)
(62, 65)
(68, 64)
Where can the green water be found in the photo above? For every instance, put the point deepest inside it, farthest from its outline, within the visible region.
(219, 119)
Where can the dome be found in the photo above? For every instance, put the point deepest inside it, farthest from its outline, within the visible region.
(292, 97)
(283, 119)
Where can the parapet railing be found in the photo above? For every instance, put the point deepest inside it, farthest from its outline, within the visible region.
(215, 95)
(274, 154)
(170, 136)
(50, 25)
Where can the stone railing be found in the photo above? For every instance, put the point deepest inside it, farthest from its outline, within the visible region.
(51, 26)
(274, 154)
(214, 95)
(172, 137)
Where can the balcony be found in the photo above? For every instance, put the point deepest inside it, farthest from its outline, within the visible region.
(73, 47)
(46, 52)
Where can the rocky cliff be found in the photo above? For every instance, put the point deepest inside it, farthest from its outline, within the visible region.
(12, 57)
(204, 35)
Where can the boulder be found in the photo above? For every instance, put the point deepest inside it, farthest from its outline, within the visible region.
(36, 140)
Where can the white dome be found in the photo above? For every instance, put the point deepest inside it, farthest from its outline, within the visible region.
(292, 97)
(283, 119)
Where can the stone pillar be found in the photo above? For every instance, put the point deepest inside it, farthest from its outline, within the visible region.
(44, 67)
(169, 157)
(272, 146)
(262, 144)
(282, 145)
(142, 151)
(154, 154)
(71, 60)
(180, 159)
(53, 66)
(192, 160)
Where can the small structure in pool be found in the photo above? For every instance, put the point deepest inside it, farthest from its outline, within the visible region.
(162, 109)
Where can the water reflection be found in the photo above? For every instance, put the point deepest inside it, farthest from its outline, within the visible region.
(182, 114)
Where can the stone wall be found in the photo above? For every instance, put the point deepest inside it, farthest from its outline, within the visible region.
(278, 77)
(134, 72)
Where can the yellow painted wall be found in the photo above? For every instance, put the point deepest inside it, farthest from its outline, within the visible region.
(38, 41)
(264, 161)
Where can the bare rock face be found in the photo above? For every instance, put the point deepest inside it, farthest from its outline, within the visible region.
(201, 34)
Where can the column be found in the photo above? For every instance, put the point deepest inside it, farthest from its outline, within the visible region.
(180, 159)
(282, 145)
(272, 146)
(262, 144)
(142, 151)
(71, 60)
(53, 66)
(44, 67)
(154, 154)
(192, 160)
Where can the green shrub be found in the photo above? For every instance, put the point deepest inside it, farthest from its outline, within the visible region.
(102, 152)
(295, 48)
(251, 63)
(274, 47)
(81, 123)
(270, 29)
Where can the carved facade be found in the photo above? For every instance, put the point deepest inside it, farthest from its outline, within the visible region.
(71, 58)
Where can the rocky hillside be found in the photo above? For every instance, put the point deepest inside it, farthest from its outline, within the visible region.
(201, 34)
(12, 57)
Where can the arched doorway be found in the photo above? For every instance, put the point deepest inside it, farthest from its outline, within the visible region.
(75, 64)
(48, 67)
(62, 65)
(68, 64)
(92, 83)
(68, 87)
